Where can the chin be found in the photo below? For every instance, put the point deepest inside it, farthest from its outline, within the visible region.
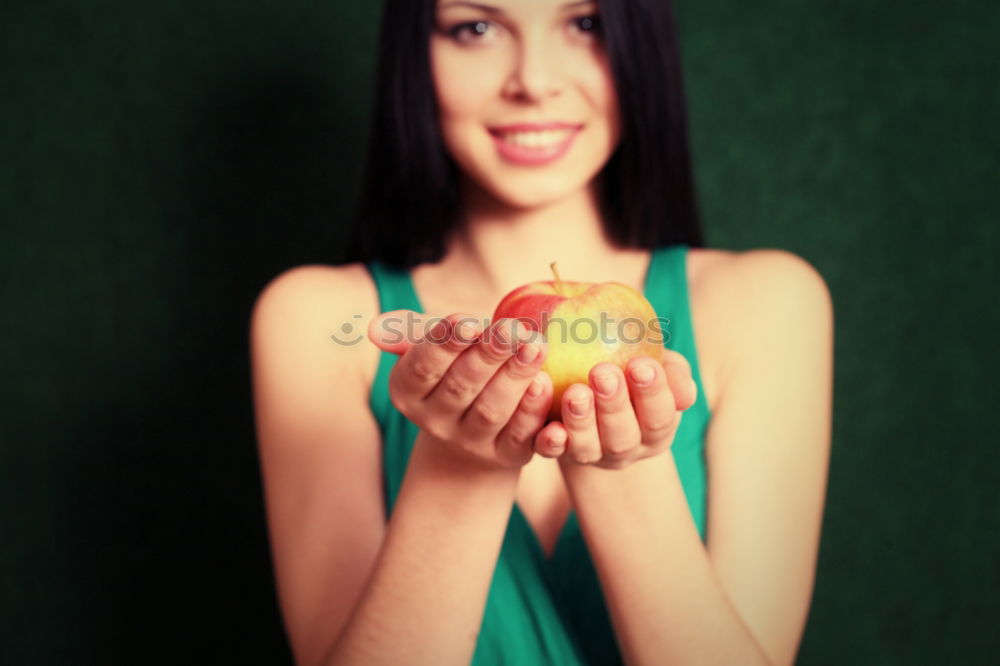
(520, 192)
(534, 197)
(522, 187)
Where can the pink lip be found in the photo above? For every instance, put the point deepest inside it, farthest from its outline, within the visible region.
(533, 156)
(534, 127)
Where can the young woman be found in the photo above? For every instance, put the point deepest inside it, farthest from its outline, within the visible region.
(421, 510)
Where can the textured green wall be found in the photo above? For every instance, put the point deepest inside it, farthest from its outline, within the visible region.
(159, 163)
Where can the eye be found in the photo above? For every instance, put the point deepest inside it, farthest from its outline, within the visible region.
(589, 24)
(476, 30)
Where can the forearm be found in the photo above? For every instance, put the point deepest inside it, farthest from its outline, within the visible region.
(425, 599)
(664, 600)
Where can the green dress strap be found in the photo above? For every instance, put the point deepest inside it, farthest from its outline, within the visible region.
(668, 291)
(395, 292)
(544, 610)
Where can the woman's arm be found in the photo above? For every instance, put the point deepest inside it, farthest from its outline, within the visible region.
(353, 589)
(425, 600)
(745, 598)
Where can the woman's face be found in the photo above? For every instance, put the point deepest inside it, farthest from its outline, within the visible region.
(503, 63)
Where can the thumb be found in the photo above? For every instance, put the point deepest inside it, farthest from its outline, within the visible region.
(396, 331)
(680, 378)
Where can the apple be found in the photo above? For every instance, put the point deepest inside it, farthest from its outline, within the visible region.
(584, 323)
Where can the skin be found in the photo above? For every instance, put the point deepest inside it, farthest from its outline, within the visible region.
(355, 588)
(534, 61)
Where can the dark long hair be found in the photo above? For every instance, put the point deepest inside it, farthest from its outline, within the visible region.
(408, 201)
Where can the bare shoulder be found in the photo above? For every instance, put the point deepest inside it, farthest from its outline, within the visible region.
(320, 311)
(768, 443)
(737, 295)
(728, 269)
(318, 444)
(741, 282)
(319, 292)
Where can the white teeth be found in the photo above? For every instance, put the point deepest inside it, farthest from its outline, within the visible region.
(541, 139)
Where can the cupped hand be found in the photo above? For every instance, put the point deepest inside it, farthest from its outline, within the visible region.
(480, 393)
(621, 417)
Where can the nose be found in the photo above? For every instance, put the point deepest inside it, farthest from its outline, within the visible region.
(537, 72)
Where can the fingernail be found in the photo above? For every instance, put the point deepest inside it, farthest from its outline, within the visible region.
(535, 388)
(439, 332)
(556, 440)
(527, 353)
(606, 383)
(579, 407)
(642, 374)
(467, 332)
(500, 336)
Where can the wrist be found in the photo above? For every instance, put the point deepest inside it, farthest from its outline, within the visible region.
(448, 464)
(577, 475)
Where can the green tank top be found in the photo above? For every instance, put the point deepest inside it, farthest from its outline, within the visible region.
(541, 610)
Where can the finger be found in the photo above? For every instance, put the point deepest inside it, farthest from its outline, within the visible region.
(474, 368)
(396, 331)
(680, 378)
(495, 404)
(616, 422)
(420, 368)
(583, 444)
(515, 443)
(550, 441)
(652, 400)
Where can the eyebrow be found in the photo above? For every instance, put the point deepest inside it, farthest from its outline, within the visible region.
(496, 10)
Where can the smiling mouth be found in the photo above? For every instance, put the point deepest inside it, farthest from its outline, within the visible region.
(537, 139)
(533, 147)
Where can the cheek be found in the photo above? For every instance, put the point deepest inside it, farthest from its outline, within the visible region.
(596, 84)
(601, 88)
(463, 85)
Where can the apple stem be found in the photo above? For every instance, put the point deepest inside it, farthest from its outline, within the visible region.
(555, 271)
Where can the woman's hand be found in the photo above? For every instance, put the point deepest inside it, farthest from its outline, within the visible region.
(615, 421)
(478, 393)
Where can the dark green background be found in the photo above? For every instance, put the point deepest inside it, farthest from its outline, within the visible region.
(160, 162)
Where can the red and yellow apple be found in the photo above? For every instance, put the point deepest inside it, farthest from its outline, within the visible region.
(584, 323)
